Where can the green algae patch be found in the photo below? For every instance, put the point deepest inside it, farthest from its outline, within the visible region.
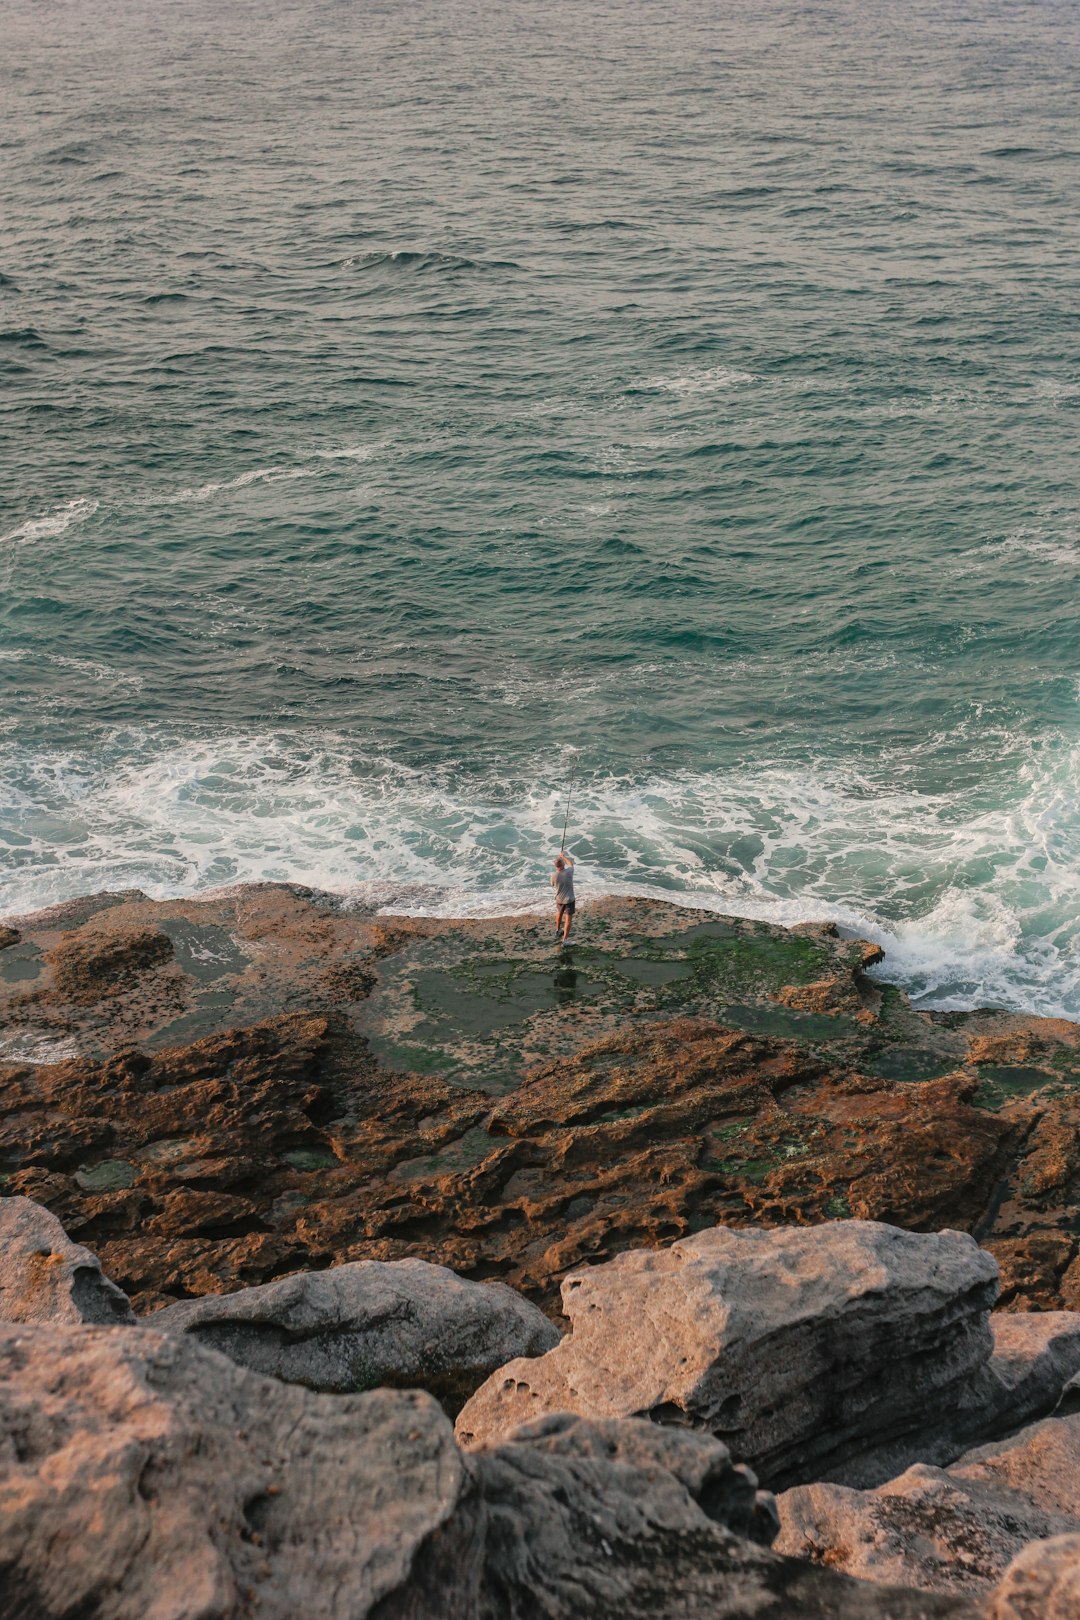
(910, 1064)
(1000, 1085)
(652, 973)
(787, 1024)
(311, 1158)
(111, 1175)
(453, 1158)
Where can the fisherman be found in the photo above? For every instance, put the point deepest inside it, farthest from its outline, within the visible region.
(562, 881)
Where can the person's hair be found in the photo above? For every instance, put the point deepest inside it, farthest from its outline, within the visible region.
(559, 862)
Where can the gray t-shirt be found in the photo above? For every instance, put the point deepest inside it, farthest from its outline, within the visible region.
(564, 884)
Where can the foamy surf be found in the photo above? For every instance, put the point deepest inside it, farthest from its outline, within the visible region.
(975, 902)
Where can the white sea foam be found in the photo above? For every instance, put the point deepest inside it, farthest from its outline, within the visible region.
(701, 380)
(976, 898)
(1061, 549)
(53, 523)
(254, 475)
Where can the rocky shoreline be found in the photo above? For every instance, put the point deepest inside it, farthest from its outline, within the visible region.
(722, 1257)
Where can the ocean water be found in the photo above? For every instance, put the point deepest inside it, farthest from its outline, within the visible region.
(402, 406)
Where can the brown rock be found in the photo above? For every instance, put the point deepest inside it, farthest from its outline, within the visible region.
(141, 1474)
(807, 1351)
(44, 1277)
(103, 961)
(298, 1085)
(1043, 1583)
(951, 1530)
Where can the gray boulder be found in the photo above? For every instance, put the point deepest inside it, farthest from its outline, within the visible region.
(141, 1474)
(44, 1277)
(618, 1520)
(403, 1323)
(806, 1350)
(949, 1530)
(1042, 1584)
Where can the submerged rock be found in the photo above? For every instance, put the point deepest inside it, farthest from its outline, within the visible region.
(44, 1277)
(803, 1349)
(142, 1474)
(355, 1327)
(954, 1529)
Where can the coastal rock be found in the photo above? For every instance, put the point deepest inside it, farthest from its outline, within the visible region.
(1042, 1584)
(805, 1350)
(624, 1519)
(404, 1323)
(176, 1483)
(44, 1277)
(8, 936)
(300, 1084)
(99, 961)
(955, 1529)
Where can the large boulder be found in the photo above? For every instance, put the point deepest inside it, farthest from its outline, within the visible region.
(1043, 1583)
(355, 1327)
(947, 1530)
(44, 1277)
(142, 1475)
(806, 1350)
(624, 1520)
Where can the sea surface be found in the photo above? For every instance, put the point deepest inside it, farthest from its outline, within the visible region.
(405, 405)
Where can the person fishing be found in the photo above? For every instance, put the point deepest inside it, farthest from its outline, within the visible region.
(562, 881)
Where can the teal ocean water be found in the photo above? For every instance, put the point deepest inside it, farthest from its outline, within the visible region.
(396, 399)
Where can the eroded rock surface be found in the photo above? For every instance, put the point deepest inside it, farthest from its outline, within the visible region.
(177, 1483)
(404, 1323)
(954, 1529)
(1043, 1583)
(806, 1350)
(44, 1277)
(270, 1082)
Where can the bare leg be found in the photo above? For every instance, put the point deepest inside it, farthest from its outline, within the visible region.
(568, 917)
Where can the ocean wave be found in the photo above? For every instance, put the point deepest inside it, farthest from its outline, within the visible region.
(974, 897)
(53, 523)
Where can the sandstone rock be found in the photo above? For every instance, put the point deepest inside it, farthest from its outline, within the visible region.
(8, 936)
(402, 1323)
(142, 1475)
(271, 1097)
(44, 1277)
(944, 1530)
(98, 961)
(1069, 1403)
(1042, 1584)
(803, 1349)
(627, 1521)
(1034, 1354)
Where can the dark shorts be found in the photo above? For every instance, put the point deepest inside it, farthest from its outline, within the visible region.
(566, 905)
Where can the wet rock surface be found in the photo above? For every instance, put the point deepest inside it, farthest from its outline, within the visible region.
(264, 1082)
(44, 1277)
(404, 1323)
(954, 1529)
(178, 1483)
(810, 1352)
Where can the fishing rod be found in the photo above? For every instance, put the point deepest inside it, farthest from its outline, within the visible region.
(566, 818)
